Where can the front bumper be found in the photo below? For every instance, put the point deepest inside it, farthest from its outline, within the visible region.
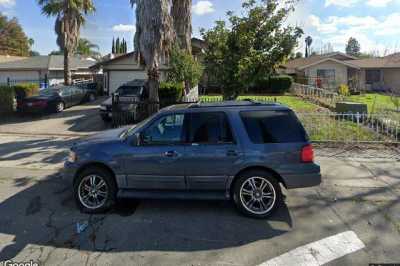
(307, 176)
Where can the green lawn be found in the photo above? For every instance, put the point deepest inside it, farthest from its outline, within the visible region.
(319, 125)
(297, 104)
(376, 102)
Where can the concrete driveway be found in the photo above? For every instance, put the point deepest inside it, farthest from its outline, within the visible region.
(38, 218)
(78, 120)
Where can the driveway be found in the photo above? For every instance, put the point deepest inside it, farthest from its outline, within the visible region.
(78, 120)
(359, 198)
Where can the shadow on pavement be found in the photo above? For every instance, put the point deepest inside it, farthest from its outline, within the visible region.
(45, 214)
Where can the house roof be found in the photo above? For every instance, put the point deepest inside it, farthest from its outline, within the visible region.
(382, 62)
(322, 60)
(301, 62)
(53, 62)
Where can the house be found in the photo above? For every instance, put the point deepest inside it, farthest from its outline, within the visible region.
(331, 70)
(43, 68)
(119, 69)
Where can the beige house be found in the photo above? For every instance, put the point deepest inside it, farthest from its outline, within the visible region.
(331, 70)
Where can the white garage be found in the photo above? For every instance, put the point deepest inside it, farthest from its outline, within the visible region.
(118, 78)
(19, 75)
(123, 69)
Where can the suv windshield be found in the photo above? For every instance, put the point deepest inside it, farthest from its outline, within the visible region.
(129, 91)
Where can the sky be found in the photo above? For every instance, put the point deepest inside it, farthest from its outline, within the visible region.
(373, 22)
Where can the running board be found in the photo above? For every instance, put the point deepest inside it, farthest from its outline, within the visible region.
(166, 194)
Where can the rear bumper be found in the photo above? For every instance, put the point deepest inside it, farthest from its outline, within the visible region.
(310, 176)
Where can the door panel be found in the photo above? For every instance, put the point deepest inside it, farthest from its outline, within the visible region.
(208, 166)
(157, 164)
(212, 151)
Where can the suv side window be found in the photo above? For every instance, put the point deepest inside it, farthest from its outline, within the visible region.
(273, 127)
(210, 128)
(167, 130)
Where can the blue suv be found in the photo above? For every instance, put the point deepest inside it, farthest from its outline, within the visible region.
(242, 151)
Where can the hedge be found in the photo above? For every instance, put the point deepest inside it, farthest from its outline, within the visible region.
(7, 97)
(274, 84)
(170, 92)
(26, 90)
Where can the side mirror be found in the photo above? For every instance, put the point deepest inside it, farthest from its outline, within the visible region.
(136, 139)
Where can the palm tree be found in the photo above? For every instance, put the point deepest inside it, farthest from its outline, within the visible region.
(88, 49)
(309, 41)
(153, 40)
(182, 16)
(70, 17)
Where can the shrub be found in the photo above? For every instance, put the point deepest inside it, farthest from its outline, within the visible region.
(280, 84)
(26, 90)
(273, 84)
(7, 97)
(170, 91)
(344, 90)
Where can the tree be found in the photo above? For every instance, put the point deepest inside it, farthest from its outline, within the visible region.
(153, 40)
(113, 51)
(70, 16)
(182, 17)
(117, 46)
(353, 47)
(183, 68)
(13, 40)
(309, 42)
(252, 48)
(88, 49)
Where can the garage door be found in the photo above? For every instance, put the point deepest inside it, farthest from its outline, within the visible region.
(19, 75)
(117, 78)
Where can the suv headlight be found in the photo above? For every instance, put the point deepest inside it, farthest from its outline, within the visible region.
(72, 157)
(103, 107)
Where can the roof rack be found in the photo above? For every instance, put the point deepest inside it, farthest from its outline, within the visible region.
(224, 104)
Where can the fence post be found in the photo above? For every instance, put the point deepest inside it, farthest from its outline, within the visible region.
(8, 82)
(358, 127)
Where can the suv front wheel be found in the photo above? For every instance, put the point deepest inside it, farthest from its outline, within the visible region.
(95, 190)
(257, 194)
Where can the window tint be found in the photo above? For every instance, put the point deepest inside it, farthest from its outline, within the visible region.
(129, 91)
(166, 130)
(66, 92)
(273, 127)
(210, 128)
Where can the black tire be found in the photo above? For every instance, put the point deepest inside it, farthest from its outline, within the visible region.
(258, 176)
(111, 189)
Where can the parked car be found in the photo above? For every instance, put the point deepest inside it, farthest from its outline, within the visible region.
(129, 95)
(231, 150)
(90, 90)
(53, 99)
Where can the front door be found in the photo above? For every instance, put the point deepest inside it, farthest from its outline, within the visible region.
(157, 163)
(211, 152)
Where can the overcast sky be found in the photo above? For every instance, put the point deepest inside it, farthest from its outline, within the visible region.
(373, 22)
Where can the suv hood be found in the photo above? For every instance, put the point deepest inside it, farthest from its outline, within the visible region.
(105, 136)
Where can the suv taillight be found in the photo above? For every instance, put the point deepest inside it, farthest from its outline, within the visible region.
(307, 154)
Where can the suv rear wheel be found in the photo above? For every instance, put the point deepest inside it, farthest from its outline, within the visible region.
(95, 190)
(257, 194)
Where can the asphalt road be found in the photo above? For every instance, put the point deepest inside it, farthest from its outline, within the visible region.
(78, 120)
(38, 217)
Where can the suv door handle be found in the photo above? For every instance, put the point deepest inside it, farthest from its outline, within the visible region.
(232, 153)
(170, 154)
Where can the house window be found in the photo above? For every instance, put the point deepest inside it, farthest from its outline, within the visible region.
(328, 74)
(372, 76)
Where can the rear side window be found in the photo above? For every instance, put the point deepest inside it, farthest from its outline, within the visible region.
(273, 127)
(210, 128)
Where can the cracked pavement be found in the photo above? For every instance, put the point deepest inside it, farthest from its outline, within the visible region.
(38, 216)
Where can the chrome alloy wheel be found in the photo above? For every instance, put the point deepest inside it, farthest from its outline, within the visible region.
(257, 195)
(93, 192)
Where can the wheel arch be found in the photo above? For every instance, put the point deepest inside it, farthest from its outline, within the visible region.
(256, 168)
(97, 165)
